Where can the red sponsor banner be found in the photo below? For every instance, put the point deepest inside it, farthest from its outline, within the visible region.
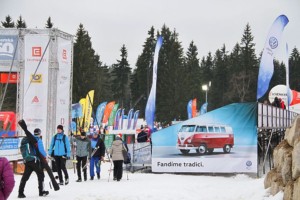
(296, 97)
(12, 78)
(194, 108)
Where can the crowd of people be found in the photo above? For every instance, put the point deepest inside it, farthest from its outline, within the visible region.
(89, 155)
(279, 103)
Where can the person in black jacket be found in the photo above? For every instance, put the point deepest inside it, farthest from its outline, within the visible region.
(98, 151)
(142, 136)
(33, 164)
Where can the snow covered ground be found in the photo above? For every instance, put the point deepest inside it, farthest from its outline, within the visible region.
(144, 186)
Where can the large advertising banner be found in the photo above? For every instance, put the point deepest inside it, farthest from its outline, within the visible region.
(36, 82)
(8, 50)
(221, 141)
(64, 57)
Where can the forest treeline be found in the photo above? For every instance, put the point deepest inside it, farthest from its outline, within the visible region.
(181, 73)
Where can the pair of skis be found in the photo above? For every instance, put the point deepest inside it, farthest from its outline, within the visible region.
(43, 160)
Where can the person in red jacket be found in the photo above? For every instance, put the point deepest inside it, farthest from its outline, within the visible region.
(7, 182)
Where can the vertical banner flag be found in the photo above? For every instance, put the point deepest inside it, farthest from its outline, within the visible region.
(266, 67)
(130, 115)
(88, 110)
(36, 80)
(112, 115)
(203, 109)
(135, 119)
(99, 113)
(194, 107)
(150, 107)
(122, 118)
(189, 109)
(117, 117)
(82, 103)
(107, 111)
(64, 58)
(76, 110)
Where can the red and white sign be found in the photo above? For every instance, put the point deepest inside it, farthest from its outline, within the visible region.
(12, 78)
(36, 51)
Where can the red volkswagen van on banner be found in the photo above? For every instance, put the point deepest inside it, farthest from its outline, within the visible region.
(205, 138)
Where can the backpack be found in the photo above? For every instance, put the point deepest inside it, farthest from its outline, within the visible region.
(27, 150)
(53, 146)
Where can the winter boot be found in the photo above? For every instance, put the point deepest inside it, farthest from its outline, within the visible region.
(21, 195)
(79, 180)
(43, 193)
(98, 175)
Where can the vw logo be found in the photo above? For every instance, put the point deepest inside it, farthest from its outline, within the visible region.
(273, 42)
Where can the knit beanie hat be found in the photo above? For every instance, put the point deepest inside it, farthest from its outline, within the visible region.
(60, 127)
(37, 131)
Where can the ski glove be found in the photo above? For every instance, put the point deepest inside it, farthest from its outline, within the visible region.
(23, 125)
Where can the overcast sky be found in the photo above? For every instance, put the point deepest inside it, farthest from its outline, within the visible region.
(112, 23)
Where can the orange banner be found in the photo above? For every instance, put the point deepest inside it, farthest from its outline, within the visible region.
(107, 111)
(194, 108)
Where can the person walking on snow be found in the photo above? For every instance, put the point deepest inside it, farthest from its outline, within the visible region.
(98, 149)
(117, 156)
(60, 149)
(32, 163)
(83, 150)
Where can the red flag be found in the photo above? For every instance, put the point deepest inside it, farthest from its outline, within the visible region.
(194, 107)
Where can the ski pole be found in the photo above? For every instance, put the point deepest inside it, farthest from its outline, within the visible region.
(109, 171)
(94, 151)
(127, 171)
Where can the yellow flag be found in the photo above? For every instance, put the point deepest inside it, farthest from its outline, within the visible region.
(80, 120)
(88, 110)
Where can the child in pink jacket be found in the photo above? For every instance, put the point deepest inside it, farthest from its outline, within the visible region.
(7, 181)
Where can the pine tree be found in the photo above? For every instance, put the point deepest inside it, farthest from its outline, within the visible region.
(8, 23)
(294, 66)
(49, 23)
(244, 78)
(220, 79)
(21, 23)
(192, 68)
(170, 103)
(85, 67)
(141, 78)
(121, 80)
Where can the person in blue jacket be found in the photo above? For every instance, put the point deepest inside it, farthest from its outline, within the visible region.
(98, 151)
(60, 150)
(32, 163)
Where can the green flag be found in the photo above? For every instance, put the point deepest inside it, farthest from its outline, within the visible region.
(112, 115)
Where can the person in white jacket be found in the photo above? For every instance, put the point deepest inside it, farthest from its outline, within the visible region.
(117, 157)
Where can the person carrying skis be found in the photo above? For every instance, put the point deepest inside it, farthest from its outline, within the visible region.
(98, 151)
(32, 163)
(60, 150)
(83, 150)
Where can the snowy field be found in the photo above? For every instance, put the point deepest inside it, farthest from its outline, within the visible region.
(144, 186)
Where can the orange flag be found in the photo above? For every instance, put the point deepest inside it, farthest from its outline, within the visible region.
(194, 108)
(107, 111)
